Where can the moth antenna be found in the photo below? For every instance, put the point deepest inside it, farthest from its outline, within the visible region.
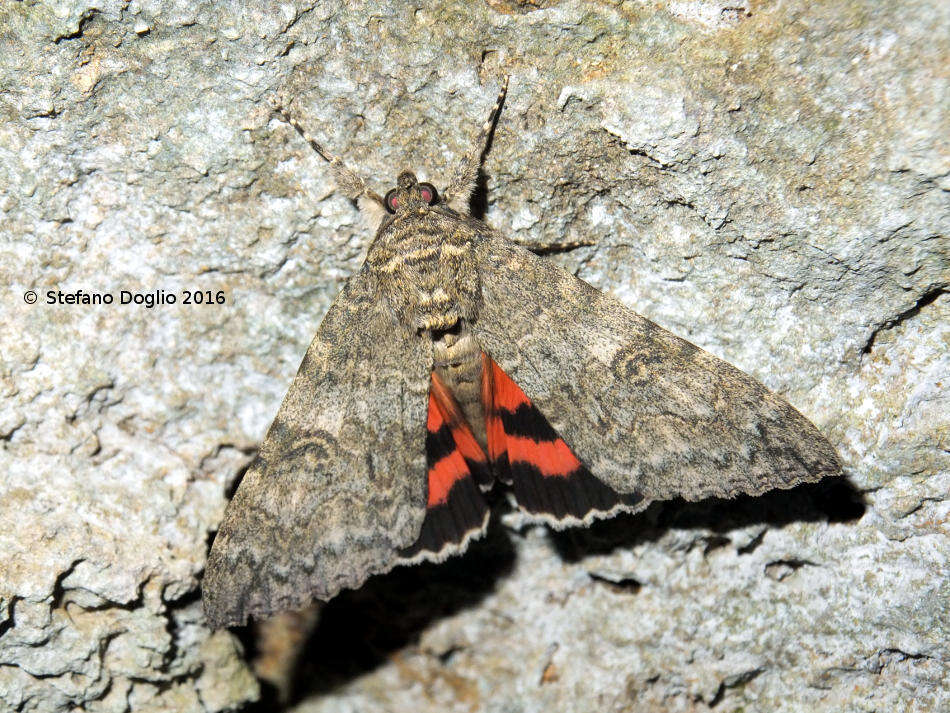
(346, 179)
(459, 192)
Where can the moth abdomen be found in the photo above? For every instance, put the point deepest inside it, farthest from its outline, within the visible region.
(458, 364)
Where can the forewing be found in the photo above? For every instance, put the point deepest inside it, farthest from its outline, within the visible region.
(339, 485)
(644, 410)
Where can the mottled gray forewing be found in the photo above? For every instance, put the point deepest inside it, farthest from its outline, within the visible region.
(643, 409)
(339, 484)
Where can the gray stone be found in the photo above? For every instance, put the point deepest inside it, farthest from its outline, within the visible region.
(770, 182)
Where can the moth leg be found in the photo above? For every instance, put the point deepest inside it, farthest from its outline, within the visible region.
(280, 642)
(349, 182)
(459, 192)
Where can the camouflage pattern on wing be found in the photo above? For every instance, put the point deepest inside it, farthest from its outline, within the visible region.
(339, 486)
(644, 410)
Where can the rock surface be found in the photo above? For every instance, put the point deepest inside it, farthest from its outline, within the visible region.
(769, 180)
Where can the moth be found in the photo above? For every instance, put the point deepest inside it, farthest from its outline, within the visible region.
(455, 361)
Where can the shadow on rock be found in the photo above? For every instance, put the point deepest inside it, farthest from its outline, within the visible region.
(359, 630)
(829, 500)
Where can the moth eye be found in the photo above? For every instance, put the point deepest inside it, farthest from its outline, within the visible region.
(429, 194)
(391, 201)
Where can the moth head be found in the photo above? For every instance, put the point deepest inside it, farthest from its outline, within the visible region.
(410, 194)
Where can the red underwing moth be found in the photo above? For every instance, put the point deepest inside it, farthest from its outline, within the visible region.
(455, 361)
